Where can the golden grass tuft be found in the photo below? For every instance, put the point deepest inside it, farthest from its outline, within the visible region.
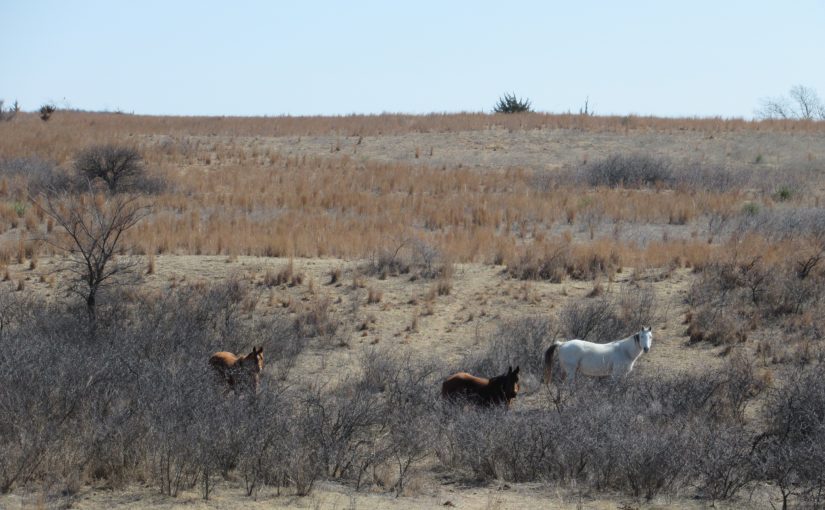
(374, 295)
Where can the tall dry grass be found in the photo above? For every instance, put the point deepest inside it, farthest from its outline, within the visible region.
(68, 131)
(226, 195)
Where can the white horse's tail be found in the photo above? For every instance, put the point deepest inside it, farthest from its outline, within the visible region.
(548, 362)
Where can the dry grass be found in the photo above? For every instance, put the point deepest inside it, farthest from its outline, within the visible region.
(318, 207)
(234, 191)
(59, 138)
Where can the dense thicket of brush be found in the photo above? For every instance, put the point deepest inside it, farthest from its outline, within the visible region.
(134, 399)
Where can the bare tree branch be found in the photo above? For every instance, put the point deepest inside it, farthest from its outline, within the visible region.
(802, 103)
(91, 228)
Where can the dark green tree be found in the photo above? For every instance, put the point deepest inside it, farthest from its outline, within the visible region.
(509, 103)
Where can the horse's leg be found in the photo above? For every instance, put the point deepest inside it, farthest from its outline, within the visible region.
(572, 372)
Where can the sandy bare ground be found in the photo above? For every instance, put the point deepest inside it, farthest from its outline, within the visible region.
(447, 327)
(335, 497)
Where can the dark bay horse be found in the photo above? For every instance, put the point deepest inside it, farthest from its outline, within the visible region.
(498, 390)
(239, 372)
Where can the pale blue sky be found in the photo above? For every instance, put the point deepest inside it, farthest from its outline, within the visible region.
(686, 58)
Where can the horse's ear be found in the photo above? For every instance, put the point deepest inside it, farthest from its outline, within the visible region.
(510, 369)
(258, 350)
(647, 328)
(516, 370)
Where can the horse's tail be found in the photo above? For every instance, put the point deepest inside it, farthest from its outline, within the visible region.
(548, 362)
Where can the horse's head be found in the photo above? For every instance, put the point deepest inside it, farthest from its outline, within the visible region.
(254, 363)
(644, 338)
(510, 384)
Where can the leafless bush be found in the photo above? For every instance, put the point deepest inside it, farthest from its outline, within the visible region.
(39, 175)
(717, 326)
(92, 228)
(722, 460)
(517, 342)
(551, 265)
(638, 306)
(781, 224)
(595, 320)
(282, 343)
(495, 444)
(791, 453)
(343, 423)
(120, 168)
(15, 310)
(793, 293)
(629, 171)
(410, 256)
(710, 177)
(320, 319)
(802, 103)
(731, 296)
(613, 441)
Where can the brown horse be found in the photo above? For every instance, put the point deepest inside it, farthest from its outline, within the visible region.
(239, 371)
(499, 390)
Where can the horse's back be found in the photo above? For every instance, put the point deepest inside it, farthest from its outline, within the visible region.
(583, 347)
(461, 382)
(222, 359)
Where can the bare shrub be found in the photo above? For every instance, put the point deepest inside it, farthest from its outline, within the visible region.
(629, 171)
(613, 440)
(494, 444)
(716, 325)
(790, 453)
(120, 168)
(723, 460)
(282, 342)
(637, 306)
(342, 423)
(92, 227)
(320, 319)
(697, 175)
(409, 255)
(802, 103)
(517, 342)
(595, 320)
(782, 224)
(550, 264)
(39, 175)
(792, 291)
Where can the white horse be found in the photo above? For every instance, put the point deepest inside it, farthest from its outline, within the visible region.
(615, 359)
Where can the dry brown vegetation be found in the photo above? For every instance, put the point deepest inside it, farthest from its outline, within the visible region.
(469, 239)
(229, 194)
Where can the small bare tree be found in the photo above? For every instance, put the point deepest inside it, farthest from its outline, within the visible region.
(92, 227)
(119, 167)
(802, 103)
